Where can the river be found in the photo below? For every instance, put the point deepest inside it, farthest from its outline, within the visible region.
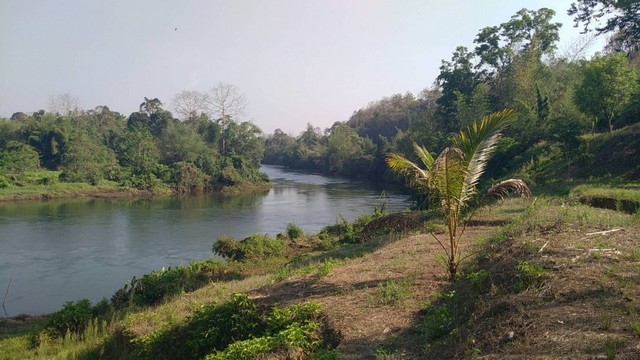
(60, 250)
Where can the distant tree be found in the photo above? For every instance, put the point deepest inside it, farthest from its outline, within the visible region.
(86, 160)
(17, 157)
(189, 104)
(180, 142)
(19, 116)
(101, 119)
(345, 151)
(49, 134)
(497, 45)
(606, 89)
(622, 18)
(150, 106)
(384, 117)
(244, 141)
(226, 101)
(457, 78)
(136, 149)
(152, 115)
(278, 148)
(64, 104)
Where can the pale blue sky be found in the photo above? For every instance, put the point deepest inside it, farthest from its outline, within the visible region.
(297, 61)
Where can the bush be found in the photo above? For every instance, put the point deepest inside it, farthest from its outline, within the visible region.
(240, 329)
(253, 247)
(19, 157)
(4, 182)
(294, 231)
(157, 286)
(73, 318)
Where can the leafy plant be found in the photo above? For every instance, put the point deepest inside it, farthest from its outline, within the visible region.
(73, 318)
(453, 176)
(529, 274)
(294, 231)
(253, 247)
(392, 292)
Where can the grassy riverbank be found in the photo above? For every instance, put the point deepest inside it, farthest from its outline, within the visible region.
(552, 278)
(41, 189)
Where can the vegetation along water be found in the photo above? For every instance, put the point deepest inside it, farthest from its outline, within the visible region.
(552, 275)
(60, 250)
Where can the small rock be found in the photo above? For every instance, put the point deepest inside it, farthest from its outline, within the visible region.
(560, 321)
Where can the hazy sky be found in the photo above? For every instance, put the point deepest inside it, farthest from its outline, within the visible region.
(297, 61)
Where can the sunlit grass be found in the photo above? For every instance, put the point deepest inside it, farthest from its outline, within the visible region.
(629, 191)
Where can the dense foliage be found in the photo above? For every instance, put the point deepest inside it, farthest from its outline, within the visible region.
(560, 98)
(239, 329)
(150, 149)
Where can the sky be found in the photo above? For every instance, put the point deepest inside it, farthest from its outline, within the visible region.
(296, 61)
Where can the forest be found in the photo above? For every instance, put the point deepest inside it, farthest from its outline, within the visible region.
(561, 97)
(149, 150)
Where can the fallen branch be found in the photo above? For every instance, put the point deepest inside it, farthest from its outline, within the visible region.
(6, 292)
(543, 246)
(603, 232)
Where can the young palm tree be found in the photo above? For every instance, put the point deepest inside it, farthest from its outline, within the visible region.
(453, 176)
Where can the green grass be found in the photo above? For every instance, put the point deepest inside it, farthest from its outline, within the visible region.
(618, 191)
(391, 292)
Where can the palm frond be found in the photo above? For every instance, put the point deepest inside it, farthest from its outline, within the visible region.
(407, 168)
(506, 187)
(478, 142)
(424, 155)
(448, 177)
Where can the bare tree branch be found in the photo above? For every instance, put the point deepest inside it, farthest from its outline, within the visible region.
(64, 104)
(225, 100)
(188, 104)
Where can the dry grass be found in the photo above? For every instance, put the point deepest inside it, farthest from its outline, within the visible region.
(350, 295)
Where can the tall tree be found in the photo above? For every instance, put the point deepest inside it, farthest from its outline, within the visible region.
(189, 104)
(606, 89)
(64, 104)
(622, 17)
(457, 78)
(497, 45)
(226, 101)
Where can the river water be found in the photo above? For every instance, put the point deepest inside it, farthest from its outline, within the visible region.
(60, 250)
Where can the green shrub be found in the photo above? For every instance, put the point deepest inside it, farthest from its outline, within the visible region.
(226, 247)
(294, 231)
(437, 318)
(293, 328)
(17, 157)
(391, 293)
(239, 329)
(251, 248)
(157, 286)
(214, 327)
(4, 182)
(529, 275)
(73, 318)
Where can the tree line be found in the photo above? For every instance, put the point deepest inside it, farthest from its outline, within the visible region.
(150, 149)
(516, 65)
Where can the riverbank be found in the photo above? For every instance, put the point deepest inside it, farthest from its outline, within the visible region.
(108, 190)
(552, 279)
